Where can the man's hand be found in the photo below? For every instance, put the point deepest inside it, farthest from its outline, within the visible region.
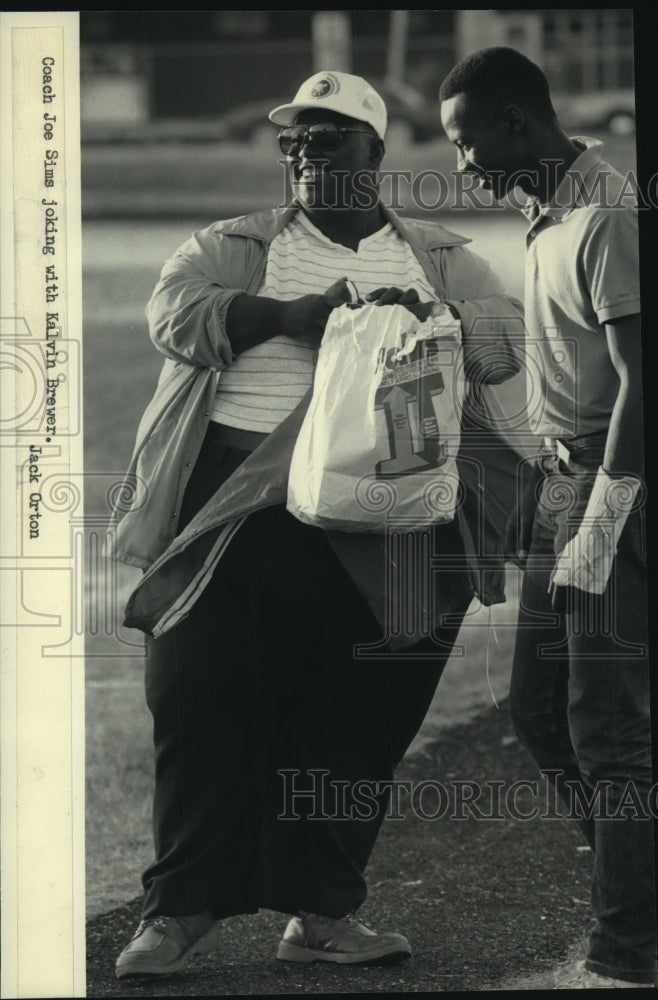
(253, 319)
(306, 318)
(586, 561)
(408, 298)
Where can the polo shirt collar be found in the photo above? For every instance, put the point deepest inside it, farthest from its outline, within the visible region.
(566, 195)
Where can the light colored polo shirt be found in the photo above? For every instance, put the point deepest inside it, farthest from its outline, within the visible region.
(582, 270)
(265, 383)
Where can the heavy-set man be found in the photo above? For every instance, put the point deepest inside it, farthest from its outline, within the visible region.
(253, 616)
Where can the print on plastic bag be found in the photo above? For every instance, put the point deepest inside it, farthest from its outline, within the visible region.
(410, 379)
(386, 411)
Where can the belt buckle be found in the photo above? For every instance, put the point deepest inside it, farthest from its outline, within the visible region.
(554, 448)
(563, 453)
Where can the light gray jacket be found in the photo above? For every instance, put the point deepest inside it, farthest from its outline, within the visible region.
(187, 323)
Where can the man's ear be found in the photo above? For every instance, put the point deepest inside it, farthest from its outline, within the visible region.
(514, 119)
(377, 150)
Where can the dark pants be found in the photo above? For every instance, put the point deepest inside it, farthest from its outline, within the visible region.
(580, 703)
(261, 679)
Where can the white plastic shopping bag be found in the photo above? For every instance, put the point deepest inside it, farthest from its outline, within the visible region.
(379, 440)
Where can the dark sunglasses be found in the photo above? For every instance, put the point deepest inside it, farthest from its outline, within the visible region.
(324, 137)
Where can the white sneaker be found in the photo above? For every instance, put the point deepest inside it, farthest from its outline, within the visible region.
(162, 945)
(580, 978)
(345, 940)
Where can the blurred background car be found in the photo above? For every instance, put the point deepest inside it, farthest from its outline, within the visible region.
(612, 110)
(411, 118)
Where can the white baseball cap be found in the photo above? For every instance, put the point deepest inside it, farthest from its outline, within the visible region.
(349, 95)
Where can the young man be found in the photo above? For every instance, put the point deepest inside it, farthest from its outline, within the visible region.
(251, 669)
(580, 683)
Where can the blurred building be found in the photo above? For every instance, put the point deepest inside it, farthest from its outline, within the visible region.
(203, 63)
(140, 67)
(580, 51)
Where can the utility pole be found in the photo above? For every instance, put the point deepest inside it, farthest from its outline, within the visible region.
(332, 41)
(398, 33)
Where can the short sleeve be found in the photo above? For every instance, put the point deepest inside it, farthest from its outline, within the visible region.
(611, 263)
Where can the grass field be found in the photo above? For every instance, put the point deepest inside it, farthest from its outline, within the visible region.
(218, 180)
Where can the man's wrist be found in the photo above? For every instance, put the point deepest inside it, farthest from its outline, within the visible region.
(612, 497)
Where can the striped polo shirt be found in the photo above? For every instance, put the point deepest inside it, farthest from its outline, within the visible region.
(265, 383)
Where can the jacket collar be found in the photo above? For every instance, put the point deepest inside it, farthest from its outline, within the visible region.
(263, 225)
(268, 223)
(423, 235)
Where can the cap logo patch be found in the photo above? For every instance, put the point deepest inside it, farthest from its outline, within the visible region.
(326, 86)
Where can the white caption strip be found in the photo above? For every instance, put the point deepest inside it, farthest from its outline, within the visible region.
(41, 455)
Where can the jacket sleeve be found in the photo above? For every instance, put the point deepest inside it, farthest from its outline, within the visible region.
(492, 322)
(187, 311)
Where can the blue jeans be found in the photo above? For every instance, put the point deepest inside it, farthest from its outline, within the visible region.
(580, 703)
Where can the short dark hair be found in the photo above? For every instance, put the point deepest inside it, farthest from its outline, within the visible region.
(499, 76)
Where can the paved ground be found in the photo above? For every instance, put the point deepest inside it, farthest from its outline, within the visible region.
(485, 902)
